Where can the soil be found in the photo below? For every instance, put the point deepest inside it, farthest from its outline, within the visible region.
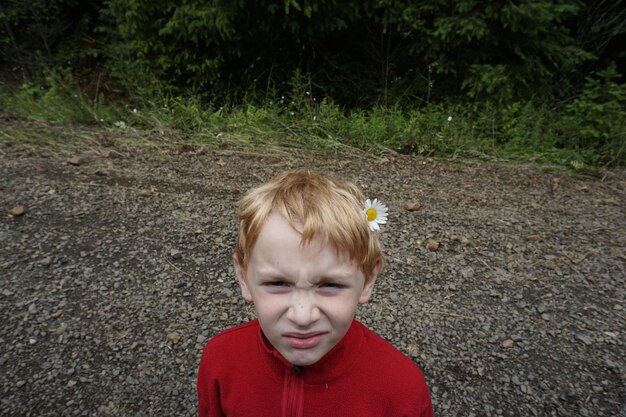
(116, 271)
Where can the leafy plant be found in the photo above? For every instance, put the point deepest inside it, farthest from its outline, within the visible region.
(596, 119)
(57, 98)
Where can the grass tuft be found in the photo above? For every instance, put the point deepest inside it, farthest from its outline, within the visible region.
(520, 131)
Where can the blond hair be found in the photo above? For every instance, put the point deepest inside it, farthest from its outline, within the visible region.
(316, 205)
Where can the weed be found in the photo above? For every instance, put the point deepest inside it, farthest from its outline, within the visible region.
(589, 131)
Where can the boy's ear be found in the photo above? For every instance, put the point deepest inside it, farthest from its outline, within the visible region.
(369, 283)
(241, 278)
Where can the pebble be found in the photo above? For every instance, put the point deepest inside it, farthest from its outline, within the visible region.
(174, 337)
(585, 339)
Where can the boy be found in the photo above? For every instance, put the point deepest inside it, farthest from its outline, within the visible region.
(306, 256)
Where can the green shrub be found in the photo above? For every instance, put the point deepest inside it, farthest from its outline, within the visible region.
(589, 131)
(58, 98)
(595, 121)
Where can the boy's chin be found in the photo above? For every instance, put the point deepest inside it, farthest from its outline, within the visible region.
(304, 362)
(303, 358)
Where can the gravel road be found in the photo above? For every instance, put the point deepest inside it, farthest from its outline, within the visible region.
(115, 270)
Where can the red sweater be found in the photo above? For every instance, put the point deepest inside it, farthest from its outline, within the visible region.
(241, 374)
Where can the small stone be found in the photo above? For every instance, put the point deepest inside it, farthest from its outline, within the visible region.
(75, 160)
(17, 211)
(174, 337)
(546, 316)
(20, 383)
(176, 254)
(71, 383)
(533, 237)
(432, 245)
(590, 278)
(508, 344)
(413, 206)
(585, 339)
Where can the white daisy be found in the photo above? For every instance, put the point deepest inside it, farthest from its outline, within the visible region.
(376, 213)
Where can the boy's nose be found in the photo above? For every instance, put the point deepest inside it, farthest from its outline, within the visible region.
(303, 310)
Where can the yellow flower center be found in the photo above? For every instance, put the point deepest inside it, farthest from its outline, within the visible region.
(371, 214)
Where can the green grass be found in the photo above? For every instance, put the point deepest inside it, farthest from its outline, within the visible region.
(518, 132)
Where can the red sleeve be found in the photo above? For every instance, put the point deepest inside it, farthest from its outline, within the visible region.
(208, 389)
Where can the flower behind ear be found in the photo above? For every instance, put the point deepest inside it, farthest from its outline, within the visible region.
(376, 213)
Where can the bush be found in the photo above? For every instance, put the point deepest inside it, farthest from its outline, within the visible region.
(595, 121)
(58, 98)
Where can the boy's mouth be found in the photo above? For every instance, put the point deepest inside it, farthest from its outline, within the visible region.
(303, 340)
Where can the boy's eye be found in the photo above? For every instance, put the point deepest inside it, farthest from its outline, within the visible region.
(331, 285)
(277, 284)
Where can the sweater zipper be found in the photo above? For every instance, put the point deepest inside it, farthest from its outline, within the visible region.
(293, 391)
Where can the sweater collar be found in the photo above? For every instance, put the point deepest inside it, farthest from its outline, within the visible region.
(332, 365)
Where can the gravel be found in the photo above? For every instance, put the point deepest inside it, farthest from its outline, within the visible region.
(117, 270)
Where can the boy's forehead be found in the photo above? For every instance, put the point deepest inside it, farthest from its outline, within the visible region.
(278, 229)
(277, 226)
(282, 251)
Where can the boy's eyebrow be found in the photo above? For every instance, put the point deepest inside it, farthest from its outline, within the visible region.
(337, 274)
(270, 271)
(342, 274)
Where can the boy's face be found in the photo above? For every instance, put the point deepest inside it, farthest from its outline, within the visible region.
(305, 296)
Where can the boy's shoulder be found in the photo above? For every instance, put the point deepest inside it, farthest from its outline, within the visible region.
(384, 359)
(234, 335)
(234, 342)
(390, 377)
(241, 330)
